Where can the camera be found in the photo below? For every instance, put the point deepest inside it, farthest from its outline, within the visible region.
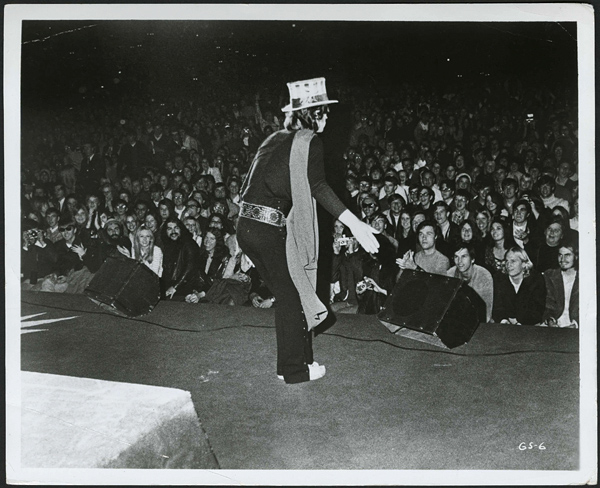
(361, 287)
(344, 241)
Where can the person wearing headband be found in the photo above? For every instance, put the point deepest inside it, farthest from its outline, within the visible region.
(278, 230)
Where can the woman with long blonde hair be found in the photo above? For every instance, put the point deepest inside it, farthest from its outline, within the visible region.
(145, 251)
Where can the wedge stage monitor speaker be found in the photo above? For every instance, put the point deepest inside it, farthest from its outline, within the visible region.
(433, 308)
(124, 286)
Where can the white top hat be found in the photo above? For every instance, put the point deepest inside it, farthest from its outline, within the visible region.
(307, 93)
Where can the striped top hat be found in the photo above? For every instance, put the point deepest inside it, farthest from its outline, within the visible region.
(307, 93)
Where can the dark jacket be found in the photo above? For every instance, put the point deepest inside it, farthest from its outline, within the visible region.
(216, 268)
(68, 260)
(555, 297)
(181, 265)
(39, 262)
(527, 306)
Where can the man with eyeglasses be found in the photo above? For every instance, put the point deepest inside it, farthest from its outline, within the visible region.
(192, 211)
(426, 199)
(414, 201)
(447, 190)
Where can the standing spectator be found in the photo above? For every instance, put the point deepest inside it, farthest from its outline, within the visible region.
(92, 169)
(133, 155)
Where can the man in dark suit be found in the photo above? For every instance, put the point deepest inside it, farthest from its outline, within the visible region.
(449, 231)
(133, 155)
(92, 169)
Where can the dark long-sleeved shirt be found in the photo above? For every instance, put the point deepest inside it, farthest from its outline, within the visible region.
(268, 182)
(527, 306)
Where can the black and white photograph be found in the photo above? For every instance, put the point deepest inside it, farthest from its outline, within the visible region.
(300, 244)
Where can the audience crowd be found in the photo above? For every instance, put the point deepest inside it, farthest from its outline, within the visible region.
(479, 185)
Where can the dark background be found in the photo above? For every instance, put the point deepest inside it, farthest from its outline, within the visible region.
(190, 58)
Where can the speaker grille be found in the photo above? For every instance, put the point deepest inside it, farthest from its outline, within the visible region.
(411, 297)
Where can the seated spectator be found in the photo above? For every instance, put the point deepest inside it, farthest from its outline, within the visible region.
(73, 259)
(469, 236)
(495, 205)
(477, 277)
(448, 231)
(461, 212)
(428, 259)
(181, 261)
(426, 199)
(144, 250)
(483, 219)
(96, 251)
(213, 258)
(370, 208)
(193, 227)
(141, 209)
(547, 186)
(564, 186)
(93, 205)
(346, 267)
(396, 203)
(523, 225)
(39, 259)
(499, 243)
(561, 213)
(404, 233)
(509, 193)
(380, 223)
(447, 190)
(131, 225)
(166, 210)
(52, 219)
(562, 285)
(545, 255)
(390, 187)
(152, 222)
(482, 190)
(520, 294)
(380, 271)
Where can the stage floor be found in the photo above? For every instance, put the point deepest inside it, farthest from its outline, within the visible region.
(387, 402)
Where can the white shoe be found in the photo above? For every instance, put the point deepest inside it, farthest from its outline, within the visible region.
(315, 371)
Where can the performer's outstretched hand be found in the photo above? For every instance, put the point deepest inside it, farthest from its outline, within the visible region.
(364, 233)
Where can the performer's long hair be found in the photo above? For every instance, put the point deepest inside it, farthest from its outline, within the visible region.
(305, 118)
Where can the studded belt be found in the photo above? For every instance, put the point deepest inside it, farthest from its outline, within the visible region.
(268, 215)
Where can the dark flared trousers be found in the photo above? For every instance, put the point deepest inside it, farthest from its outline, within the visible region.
(264, 244)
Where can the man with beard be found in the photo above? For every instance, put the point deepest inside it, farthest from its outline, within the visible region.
(181, 271)
(106, 245)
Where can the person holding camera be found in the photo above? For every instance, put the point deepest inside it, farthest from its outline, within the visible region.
(38, 258)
